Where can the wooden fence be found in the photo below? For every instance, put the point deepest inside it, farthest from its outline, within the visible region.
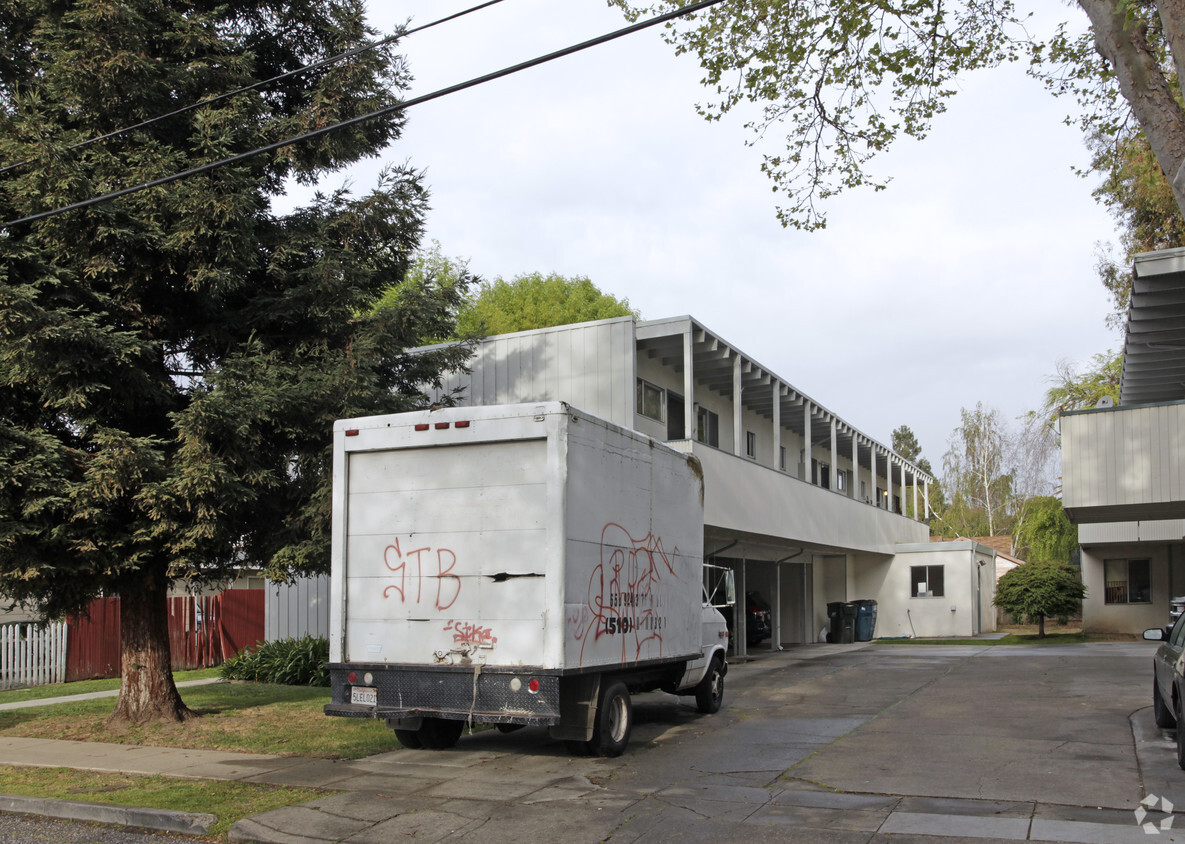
(32, 656)
(203, 632)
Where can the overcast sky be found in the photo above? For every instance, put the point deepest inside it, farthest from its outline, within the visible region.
(965, 281)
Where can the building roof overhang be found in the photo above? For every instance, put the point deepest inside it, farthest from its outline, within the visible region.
(1154, 345)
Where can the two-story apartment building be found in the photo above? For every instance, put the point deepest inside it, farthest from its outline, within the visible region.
(1123, 466)
(804, 506)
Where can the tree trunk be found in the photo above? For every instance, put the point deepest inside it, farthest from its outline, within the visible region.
(1040, 627)
(1124, 44)
(146, 691)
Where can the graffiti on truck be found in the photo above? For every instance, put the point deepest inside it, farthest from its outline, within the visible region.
(414, 566)
(625, 600)
(467, 633)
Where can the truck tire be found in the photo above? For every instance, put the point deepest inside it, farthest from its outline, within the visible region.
(615, 720)
(709, 694)
(439, 733)
(409, 739)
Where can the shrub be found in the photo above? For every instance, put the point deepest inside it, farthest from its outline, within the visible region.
(288, 662)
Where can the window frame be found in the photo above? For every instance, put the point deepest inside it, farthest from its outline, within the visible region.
(1110, 587)
(914, 582)
(751, 445)
(643, 386)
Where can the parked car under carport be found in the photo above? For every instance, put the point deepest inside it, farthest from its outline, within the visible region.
(1168, 685)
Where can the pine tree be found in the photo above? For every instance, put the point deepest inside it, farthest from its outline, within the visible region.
(171, 361)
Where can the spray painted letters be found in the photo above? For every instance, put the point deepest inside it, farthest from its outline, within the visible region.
(411, 565)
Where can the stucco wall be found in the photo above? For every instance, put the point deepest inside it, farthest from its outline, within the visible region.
(898, 614)
(1168, 580)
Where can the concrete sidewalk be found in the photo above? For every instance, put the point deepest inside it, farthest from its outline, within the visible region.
(50, 701)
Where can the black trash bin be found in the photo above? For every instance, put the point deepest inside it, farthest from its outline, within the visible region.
(841, 616)
(865, 620)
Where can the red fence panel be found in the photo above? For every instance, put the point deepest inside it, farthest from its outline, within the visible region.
(92, 641)
(240, 620)
(203, 632)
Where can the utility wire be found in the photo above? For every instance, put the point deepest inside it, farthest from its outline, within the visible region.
(265, 82)
(442, 92)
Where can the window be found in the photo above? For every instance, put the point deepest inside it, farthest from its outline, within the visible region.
(926, 582)
(751, 444)
(676, 430)
(820, 474)
(864, 490)
(782, 457)
(651, 401)
(707, 426)
(841, 480)
(1127, 582)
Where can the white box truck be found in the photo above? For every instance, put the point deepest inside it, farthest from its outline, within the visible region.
(516, 565)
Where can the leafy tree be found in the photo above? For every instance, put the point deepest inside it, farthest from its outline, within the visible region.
(992, 472)
(1036, 591)
(536, 301)
(1047, 536)
(433, 270)
(171, 361)
(1073, 390)
(847, 78)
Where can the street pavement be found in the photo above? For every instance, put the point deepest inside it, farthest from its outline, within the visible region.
(835, 743)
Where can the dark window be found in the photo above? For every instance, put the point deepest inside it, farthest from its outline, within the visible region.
(707, 427)
(676, 430)
(751, 444)
(926, 582)
(1127, 582)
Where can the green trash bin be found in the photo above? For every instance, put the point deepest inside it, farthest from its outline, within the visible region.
(865, 620)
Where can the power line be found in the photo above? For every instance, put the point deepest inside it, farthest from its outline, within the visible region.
(264, 82)
(442, 92)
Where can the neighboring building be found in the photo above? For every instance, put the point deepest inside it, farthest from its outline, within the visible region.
(804, 506)
(1123, 467)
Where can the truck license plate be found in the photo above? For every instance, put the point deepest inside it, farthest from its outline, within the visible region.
(366, 697)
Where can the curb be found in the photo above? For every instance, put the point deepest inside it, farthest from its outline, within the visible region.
(164, 820)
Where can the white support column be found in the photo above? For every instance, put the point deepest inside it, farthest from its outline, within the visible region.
(806, 440)
(926, 495)
(915, 496)
(834, 455)
(889, 481)
(854, 487)
(776, 460)
(738, 433)
(688, 386)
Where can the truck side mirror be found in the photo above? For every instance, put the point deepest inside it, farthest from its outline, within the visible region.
(730, 588)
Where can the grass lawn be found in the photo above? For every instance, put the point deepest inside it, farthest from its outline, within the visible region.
(247, 717)
(228, 801)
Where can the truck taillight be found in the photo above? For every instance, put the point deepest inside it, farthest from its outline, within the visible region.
(422, 426)
(352, 677)
(462, 424)
(533, 686)
(441, 426)
(351, 432)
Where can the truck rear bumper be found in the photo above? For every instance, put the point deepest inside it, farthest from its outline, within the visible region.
(478, 694)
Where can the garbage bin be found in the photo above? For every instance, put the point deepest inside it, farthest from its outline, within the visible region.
(841, 615)
(865, 620)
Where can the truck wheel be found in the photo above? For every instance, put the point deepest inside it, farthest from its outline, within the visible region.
(615, 719)
(440, 733)
(709, 694)
(409, 739)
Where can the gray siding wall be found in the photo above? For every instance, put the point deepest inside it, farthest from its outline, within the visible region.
(590, 366)
(1124, 463)
(294, 610)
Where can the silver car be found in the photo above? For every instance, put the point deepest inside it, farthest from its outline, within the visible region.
(1168, 686)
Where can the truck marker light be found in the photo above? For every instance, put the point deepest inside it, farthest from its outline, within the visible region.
(352, 677)
(423, 426)
(515, 684)
(351, 432)
(463, 424)
(440, 426)
(533, 686)
(368, 678)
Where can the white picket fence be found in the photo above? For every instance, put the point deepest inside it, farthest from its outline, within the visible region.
(30, 656)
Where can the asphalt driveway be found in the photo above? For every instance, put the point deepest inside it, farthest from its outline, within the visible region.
(827, 743)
